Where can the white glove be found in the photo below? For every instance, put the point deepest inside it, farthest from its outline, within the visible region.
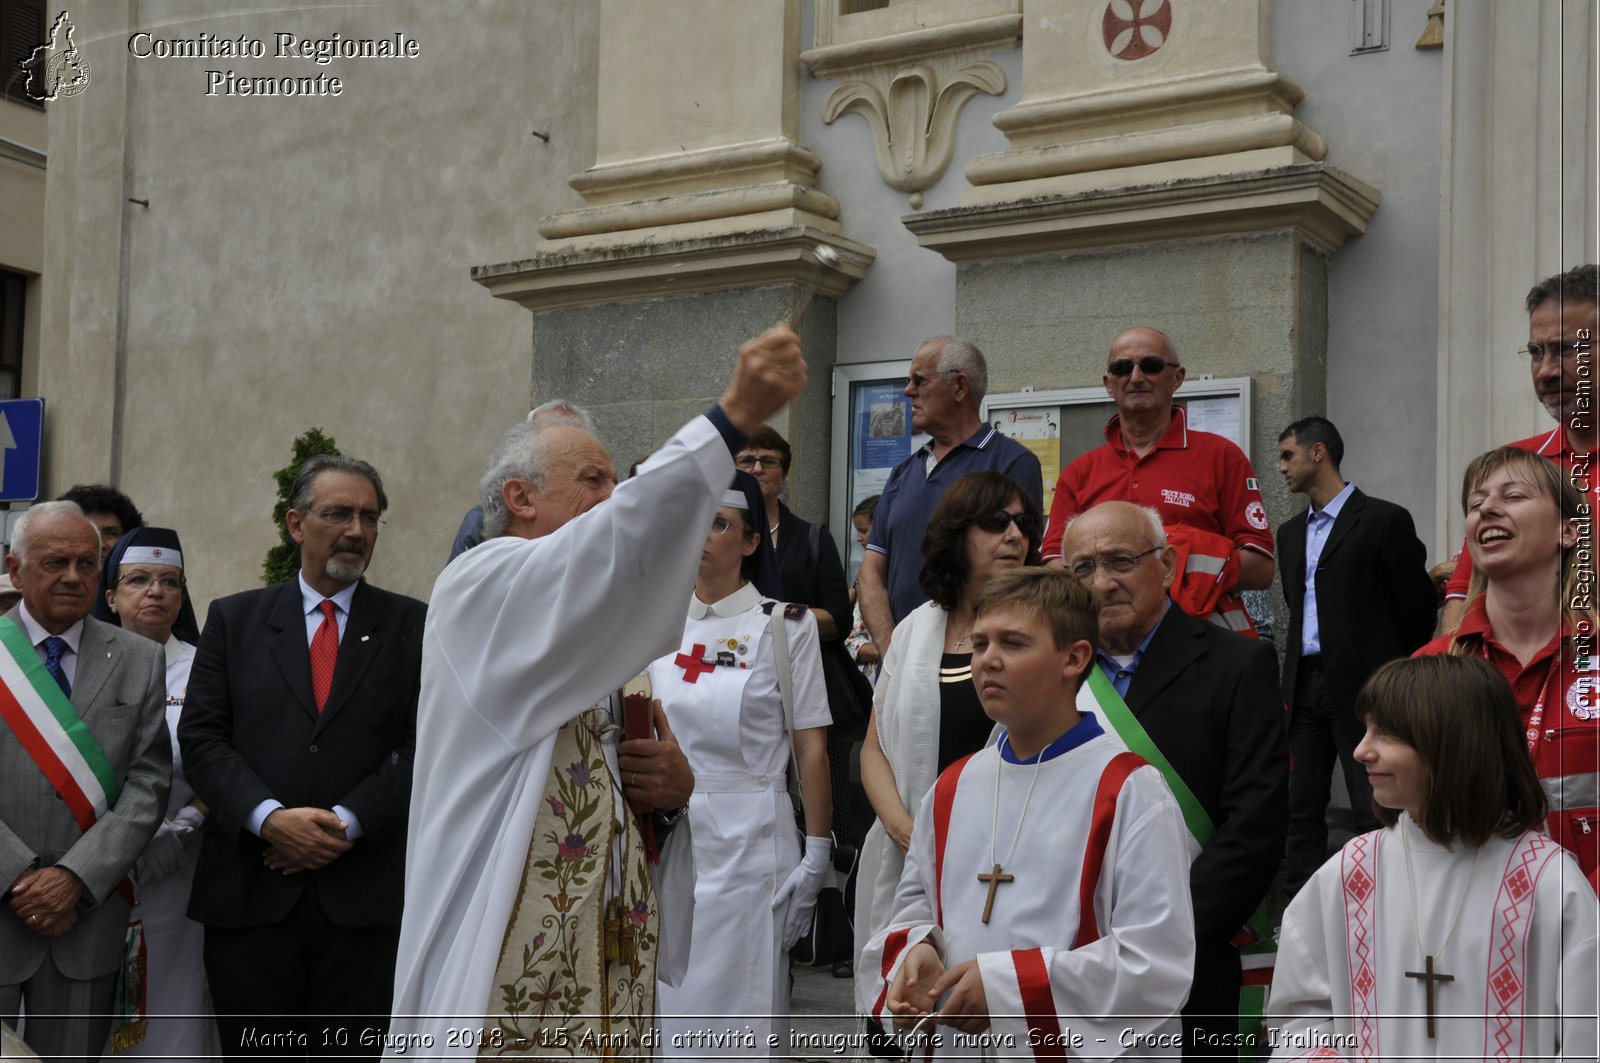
(167, 850)
(800, 889)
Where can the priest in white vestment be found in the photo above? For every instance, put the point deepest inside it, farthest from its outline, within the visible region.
(566, 601)
(1055, 862)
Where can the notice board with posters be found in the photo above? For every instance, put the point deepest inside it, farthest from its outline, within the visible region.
(872, 434)
(1060, 425)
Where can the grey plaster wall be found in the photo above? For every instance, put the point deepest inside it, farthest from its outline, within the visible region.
(644, 368)
(1381, 114)
(303, 261)
(909, 293)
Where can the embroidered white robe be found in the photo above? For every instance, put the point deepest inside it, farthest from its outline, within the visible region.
(1117, 996)
(1522, 955)
(523, 635)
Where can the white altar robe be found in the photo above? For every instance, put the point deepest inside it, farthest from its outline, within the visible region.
(523, 635)
(1530, 996)
(1117, 996)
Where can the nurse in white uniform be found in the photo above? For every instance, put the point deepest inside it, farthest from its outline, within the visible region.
(757, 890)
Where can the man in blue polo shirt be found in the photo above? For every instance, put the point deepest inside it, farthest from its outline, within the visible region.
(946, 387)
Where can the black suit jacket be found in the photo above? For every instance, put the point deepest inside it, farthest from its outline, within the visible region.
(1375, 601)
(250, 731)
(815, 580)
(1209, 699)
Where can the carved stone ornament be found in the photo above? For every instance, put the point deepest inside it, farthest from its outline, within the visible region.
(912, 112)
(910, 87)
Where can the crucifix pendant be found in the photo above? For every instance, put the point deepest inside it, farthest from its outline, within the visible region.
(994, 879)
(1428, 979)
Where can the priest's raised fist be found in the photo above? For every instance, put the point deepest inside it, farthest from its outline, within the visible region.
(770, 372)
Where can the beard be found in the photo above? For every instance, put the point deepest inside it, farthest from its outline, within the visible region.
(348, 562)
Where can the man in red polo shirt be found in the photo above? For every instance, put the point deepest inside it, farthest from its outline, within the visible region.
(1195, 480)
(1561, 324)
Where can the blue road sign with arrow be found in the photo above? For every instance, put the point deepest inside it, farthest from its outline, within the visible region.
(21, 441)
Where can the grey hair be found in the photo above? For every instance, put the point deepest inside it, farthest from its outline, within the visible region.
(301, 494)
(963, 357)
(19, 531)
(1158, 529)
(560, 411)
(520, 455)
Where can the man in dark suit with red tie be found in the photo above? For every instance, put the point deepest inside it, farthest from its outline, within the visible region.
(298, 733)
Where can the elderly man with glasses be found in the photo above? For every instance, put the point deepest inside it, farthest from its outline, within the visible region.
(1208, 699)
(948, 380)
(1560, 353)
(1195, 480)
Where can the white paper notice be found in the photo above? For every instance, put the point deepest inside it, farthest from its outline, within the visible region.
(1219, 415)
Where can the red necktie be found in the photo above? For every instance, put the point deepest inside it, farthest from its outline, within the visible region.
(324, 652)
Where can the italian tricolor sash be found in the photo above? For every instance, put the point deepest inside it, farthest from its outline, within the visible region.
(50, 730)
(1257, 948)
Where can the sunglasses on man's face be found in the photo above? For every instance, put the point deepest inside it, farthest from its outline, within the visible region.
(996, 522)
(1149, 365)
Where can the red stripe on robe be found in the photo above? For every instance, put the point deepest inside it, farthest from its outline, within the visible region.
(1105, 810)
(944, 799)
(1038, 1004)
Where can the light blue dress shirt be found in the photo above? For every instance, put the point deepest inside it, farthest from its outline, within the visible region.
(1318, 524)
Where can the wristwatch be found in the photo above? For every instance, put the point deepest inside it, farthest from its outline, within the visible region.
(667, 818)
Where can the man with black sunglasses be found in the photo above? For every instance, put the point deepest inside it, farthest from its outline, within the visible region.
(1197, 481)
(946, 385)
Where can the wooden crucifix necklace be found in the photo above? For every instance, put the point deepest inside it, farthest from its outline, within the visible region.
(1427, 976)
(996, 876)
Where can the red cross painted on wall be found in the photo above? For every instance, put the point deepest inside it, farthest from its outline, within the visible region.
(1135, 28)
(693, 663)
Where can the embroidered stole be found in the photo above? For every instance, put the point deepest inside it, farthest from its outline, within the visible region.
(1505, 1003)
(577, 969)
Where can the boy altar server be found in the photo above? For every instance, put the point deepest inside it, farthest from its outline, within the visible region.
(1044, 904)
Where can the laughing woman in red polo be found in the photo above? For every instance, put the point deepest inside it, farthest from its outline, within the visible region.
(1530, 613)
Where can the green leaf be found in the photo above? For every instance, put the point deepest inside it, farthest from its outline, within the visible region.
(283, 560)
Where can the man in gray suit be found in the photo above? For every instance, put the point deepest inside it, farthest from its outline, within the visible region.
(85, 766)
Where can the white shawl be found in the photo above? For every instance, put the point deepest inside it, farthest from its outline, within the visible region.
(905, 712)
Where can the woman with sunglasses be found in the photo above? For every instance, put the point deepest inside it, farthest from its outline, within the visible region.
(723, 695)
(925, 709)
(142, 589)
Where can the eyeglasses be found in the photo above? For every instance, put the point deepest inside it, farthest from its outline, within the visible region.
(720, 525)
(342, 515)
(917, 380)
(1119, 564)
(1000, 519)
(140, 581)
(748, 462)
(1149, 365)
(1561, 350)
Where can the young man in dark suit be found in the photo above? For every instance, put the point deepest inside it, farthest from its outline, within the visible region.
(1208, 699)
(1355, 576)
(298, 734)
